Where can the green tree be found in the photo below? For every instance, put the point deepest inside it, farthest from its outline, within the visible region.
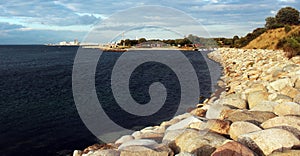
(141, 40)
(271, 23)
(288, 15)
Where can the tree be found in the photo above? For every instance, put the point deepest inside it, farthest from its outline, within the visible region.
(271, 23)
(288, 15)
(141, 40)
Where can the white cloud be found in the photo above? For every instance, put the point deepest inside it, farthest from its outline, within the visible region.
(287, 1)
(273, 12)
(221, 7)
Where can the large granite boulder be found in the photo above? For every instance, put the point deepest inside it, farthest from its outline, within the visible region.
(287, 108)
(234, 100)
(267, 106)
(255, 98)
(233, 148)
(183, 124)
(267, 141)
(218, 126)
(240, 127)
(256, 117)
(289, 123)
(195, 142)
(278, 85)
(138, 150)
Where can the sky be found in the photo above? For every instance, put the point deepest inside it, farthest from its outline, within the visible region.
(45, 21)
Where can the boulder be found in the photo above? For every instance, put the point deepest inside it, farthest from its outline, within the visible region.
(255, 88)
(289, 123)
(138, 150)
(256, 97)
(77, 153)
(290, 91)
(287, 108)
(280, 98)
(267, 106)
(195, 142)
(233, 148)
(96, 147)
(184, 123)
(296, 59)
(297, 84)
(240, 127)
(286, 153)
(151, 135)
(185, 154)
(170, 136)
(108, 152)
(139, 142)
(267, 141)
(234, 100)
(124, 138)
(297, 99)
(215, 110)
(278, 85)
(199, 112)
(166, 124)
(256, 117)
(218, 126)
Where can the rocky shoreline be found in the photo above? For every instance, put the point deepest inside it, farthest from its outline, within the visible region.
(257, 114)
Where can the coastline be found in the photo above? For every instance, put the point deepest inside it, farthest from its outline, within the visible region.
(255, 112)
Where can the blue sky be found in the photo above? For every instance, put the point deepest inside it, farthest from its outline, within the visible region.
(41, 21)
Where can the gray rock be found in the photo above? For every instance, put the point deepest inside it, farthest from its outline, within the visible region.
(151, 135)
(184, 123)
(124, 138)
(139, 142)
(267, 141)
(170, 136)
(215, 110)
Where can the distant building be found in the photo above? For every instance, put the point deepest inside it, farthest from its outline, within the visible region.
(72, 43)
(152, 44)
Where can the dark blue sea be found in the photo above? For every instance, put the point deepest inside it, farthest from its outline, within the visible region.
(38, 113)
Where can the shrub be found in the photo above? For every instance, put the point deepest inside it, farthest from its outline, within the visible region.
(291, 46)
(287, 28)
(288, 15)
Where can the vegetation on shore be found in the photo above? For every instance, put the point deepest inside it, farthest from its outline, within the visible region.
(189, 41)
(280, 32)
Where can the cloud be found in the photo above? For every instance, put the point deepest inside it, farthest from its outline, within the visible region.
(4, 26)
(287, 1)
(223, 17)
(46, 12)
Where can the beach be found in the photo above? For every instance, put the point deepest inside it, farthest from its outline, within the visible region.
(256, 113)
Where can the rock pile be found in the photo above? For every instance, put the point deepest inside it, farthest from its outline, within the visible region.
(257, 114)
